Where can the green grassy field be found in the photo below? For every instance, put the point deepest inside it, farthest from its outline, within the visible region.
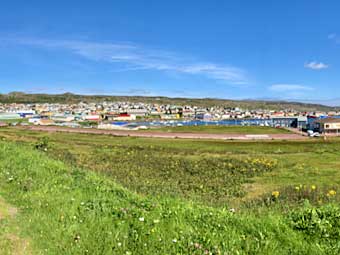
(96, 194)
(180, 167)
(223, 129)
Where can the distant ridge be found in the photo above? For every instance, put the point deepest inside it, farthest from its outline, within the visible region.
(69, 98)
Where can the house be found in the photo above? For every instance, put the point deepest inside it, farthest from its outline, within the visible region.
(110, 115)
(62, 118)
(125, 117)
(170, 116)
(329, 126)
(279, 114)
(138, 112)
(204, 116)
(92, 117)
(44, 122)
(34, 120)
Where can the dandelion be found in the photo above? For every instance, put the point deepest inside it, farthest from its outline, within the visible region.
(331, 193)
(297, 188)
(313, 187)
(275, 194)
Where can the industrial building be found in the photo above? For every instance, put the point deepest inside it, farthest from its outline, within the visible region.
(328, 126)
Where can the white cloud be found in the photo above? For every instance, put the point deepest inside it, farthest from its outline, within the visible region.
(135, 57)
(289, 88)
(316, 65)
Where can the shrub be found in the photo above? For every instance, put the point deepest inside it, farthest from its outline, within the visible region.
(42, 144)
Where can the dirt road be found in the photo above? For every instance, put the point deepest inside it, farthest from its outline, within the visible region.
(158, 134)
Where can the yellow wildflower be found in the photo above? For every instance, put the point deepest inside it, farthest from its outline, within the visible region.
(331, 193)
(275, 194)
(313, 187)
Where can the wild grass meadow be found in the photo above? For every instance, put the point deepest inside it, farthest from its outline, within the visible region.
(90, 194)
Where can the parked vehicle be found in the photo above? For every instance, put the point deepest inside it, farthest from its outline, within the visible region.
(311, 133)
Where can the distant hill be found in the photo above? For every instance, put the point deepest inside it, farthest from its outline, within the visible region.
(20, 97)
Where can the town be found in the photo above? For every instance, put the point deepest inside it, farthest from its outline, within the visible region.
(134, 116)
(169, 127)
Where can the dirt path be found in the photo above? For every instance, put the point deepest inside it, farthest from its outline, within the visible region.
(158, 134)
(6, 210)
(10, 242)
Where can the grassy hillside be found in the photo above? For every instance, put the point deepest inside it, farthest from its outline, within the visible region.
(65, 210)
(18, 97)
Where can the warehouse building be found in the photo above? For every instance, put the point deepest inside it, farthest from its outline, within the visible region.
(328, 126)
(9, 116)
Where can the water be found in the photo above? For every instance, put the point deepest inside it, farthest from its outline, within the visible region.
(283, 122)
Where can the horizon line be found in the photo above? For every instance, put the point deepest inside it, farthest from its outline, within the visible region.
(272, 100)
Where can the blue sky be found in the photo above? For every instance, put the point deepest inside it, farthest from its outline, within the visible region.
(241, 49)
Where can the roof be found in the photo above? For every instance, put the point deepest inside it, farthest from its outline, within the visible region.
(328, 120)
(45, 121)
